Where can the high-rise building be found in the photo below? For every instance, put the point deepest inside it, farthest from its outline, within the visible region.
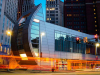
(5, 22)
(11, 10)
(54, 12)
(82, 15)
(23, 6)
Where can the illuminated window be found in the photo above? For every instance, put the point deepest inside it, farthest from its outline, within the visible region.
(47, 18)
(79, 30)
(1, 49)
(8, 51)
(96, 30)
(95, 21)
(93, 5)
(69, 14)
(95, 25)
(52, 8)
(5, 50)
(50, 18)
(47, 8)
(94, 9)
(94, 17)
(94, 13)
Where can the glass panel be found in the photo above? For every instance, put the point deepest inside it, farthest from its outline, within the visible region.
(74, 47)
(65, 46)
(36, 50)
(35, 40)
(39, 18)
(41, 10)
(33, 36)
(80, 51)
(35, 45)
(40, 14)
(35, 27)
(34, 31)
(56, 44)
(58, 35)
(34, 23)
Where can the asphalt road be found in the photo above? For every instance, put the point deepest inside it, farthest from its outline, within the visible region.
(48, 73)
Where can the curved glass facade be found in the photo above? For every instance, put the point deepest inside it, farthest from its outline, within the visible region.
(35, 30)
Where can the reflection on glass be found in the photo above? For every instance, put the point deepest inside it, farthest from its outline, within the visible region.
(41, 10)
(34, 36)
(35, 27)
(35, 45)
(67, 43)
(40, 14)
(39, 18)
(34, 23)
(34, 31)
(35, 40)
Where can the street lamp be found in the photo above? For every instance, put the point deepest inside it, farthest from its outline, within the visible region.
(97, 45)
(9, 33)
(41, 35)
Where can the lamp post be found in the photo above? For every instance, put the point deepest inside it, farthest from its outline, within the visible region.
(97, 45)
(42, 34)
(9, 33)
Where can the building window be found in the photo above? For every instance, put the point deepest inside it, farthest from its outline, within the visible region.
(96, 30)
(94, 13)
(2, 37)
(79, 30)
(94, 17)
(69, 14)
(67, 43)
(47, 18)
(94, 9)
(95, 25)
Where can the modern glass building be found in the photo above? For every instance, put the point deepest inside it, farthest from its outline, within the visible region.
(58, 46)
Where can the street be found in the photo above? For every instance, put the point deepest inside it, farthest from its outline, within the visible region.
(48, 73)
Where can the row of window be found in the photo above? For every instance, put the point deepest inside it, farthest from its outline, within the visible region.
(52, 14)
(52, 11)
(5, 50)
(76, 22)
(75, 11)
(76, 26)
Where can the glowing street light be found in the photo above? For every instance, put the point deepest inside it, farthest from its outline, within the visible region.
(9, 33)
(97, 45)
(42, 34)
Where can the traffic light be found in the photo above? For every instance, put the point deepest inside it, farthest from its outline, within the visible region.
(96, 38)
(77, 40)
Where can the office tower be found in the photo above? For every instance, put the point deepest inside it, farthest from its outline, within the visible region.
(54, 12)
(82, 15)
(11, 7)
(5, 22)
(23, 6)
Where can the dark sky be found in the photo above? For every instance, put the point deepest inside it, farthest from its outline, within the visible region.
(43, 2)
